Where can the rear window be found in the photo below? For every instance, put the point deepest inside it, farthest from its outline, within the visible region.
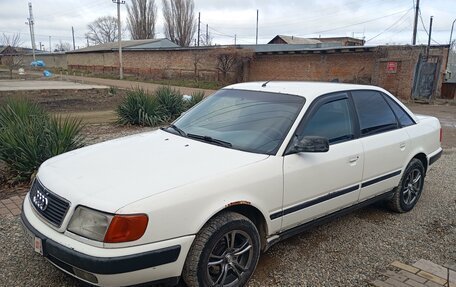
(375, 115)
(403, 118)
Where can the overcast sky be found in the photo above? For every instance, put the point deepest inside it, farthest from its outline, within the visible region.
(378, 21)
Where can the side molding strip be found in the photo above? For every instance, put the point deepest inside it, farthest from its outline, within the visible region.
(331, 195)
(313, 202)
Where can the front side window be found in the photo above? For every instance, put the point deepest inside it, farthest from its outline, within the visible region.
(331, 120)
(375, 115)
(246, 120)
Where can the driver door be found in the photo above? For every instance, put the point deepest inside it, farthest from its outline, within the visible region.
(316, 184)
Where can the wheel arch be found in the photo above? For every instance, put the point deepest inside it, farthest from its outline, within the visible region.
(253, 214)
(423, 158)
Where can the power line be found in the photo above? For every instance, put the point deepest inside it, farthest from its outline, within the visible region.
(387, 29)
(424, 27)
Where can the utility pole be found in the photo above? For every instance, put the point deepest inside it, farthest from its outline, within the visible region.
(118, 2)
(415, 23)
(50, 45)
(199, 25)
(72, 32)
(40, 45)
(256, 42)
(32, 31)
(207, 35)
(234, 39)
(451, 33)
(87, 38)
(429, 39)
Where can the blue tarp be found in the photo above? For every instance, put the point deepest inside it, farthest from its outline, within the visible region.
(38, 63)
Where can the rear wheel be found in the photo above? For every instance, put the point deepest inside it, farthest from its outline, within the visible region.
(225, 252)
(410, 187)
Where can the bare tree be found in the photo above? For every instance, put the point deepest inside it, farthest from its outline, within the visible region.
(10, 56)
(179, 21)
(142, 17)
(103, 30)
(231, 60)
(63, 47)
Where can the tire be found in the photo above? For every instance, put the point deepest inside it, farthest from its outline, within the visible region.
(409, 190)
(215, 259)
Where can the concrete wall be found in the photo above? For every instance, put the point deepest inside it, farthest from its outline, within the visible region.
(51, 60)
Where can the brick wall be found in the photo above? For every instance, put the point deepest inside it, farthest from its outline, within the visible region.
(364, 67)
(346, 67)
(367, 67)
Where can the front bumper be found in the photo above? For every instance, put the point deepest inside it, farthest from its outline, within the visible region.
(162, 264)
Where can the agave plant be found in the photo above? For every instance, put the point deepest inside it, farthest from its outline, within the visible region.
(197, 97)
(139, 108)
(170, 101)
(29, 136)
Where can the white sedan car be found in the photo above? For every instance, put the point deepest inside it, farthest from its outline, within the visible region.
(247, 167)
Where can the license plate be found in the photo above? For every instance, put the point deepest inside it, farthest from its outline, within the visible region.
(34, 241)
(38, 245)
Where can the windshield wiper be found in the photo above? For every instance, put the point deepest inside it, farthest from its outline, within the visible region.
(210, 140)
(177, 129)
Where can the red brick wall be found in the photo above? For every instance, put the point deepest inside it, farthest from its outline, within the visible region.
(346, 67)
(350, 67)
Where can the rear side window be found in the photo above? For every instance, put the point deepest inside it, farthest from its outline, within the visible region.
(332, 121)
(375, 115)
(403, 118)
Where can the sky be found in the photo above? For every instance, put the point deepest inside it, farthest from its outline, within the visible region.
(377, 21)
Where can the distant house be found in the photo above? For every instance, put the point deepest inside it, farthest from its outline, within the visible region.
(283, 39)
(344, 41)
(129, 45)
(6, 51)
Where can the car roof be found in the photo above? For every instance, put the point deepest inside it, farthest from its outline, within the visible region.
(309, 90)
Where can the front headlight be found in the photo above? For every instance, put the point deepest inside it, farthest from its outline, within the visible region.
(90, 223)
(100, 226)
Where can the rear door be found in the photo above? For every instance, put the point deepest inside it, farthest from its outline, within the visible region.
(386, 145)
(318, 183)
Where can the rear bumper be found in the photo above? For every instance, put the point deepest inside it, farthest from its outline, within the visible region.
(434, 157)
(160, 263)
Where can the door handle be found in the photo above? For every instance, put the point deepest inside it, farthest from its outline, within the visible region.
(353, 159)
(402, 146)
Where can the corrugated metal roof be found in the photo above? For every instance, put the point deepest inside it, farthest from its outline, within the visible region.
(162, 43)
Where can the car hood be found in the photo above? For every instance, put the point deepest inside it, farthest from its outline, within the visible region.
(110, 175)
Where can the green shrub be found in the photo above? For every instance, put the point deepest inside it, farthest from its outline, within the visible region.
(170, 101)
(139, 108)
(29, 136)
(197, 97)
(164, 106)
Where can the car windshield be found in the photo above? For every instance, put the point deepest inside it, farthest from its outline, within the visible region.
(246, 120)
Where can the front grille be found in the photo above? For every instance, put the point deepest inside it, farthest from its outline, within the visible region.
(50, 206)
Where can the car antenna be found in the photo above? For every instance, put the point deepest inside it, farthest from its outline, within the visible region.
(265, 83)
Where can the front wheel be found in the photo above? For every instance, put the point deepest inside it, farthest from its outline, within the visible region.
(225, 252)
(410, 187)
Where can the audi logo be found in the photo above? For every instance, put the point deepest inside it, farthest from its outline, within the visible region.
(40, 200)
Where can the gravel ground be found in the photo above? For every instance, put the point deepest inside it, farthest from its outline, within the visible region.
(352, 250)
(349, 251)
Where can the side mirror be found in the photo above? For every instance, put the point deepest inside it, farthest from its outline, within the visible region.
(311, 144)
